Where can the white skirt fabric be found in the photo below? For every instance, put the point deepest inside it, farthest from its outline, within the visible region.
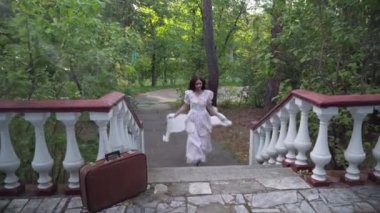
(198, 128)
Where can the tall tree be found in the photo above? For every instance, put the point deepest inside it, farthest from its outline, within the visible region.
(212, 61)
(272, 85)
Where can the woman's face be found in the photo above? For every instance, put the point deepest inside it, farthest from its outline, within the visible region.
(198, 85)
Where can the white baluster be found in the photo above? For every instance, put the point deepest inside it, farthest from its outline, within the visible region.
(321, 153)
(259, 157)
(302, 141)
(275, 121)
(142, 142)
(42, 161)
(376, 155)
(280, 146)
(265, 155)
(73, 159)
(126, 117)
(136, 135)
(9, 162)
(114, 137)
(254, 141)
(102, 119)
(120, 126)
(354, 153)
(131, 130)
(292, 132)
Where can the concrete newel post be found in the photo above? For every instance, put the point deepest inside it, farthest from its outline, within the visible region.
(302, 141)
(320, 154)
(354, 153)
(280, 146)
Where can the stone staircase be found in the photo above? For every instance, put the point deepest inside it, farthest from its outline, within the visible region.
(221, 189)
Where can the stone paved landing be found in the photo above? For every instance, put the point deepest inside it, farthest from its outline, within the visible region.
(257, 192)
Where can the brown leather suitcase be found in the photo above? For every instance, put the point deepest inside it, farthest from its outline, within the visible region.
(112, 180)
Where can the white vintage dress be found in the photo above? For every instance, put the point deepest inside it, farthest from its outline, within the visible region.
(198, 125)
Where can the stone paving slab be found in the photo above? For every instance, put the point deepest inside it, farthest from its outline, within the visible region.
(208, 173)
(231, 196)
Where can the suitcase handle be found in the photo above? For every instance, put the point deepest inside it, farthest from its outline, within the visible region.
(112, 154)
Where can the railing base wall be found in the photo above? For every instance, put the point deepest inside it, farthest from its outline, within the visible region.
(46, 192)
(352, 182)
(316, 183)
(287, 164)
(70, 191)
(297, 168)
(13, 192)
(373, 178)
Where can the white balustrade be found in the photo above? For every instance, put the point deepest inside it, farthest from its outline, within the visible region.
(275, 122)
(102, 119)
(265, 154)
(302, 142)
(320, 154)
(9, 162)
(254, 140)
(117, 128)
(280, 146)
(73, 159)
(292, 109)
(42, 161)
(354, 153)
(258, 156)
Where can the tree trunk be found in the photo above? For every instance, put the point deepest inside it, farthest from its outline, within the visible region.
(212, 62)
(153, 70)
(274, 81)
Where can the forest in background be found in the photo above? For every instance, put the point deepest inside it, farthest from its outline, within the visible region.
(83, 49)
(53, 49)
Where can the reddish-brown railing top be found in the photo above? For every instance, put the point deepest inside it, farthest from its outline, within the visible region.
(103, 104)
(323, 101)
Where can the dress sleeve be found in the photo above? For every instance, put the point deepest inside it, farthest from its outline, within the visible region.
(186, 98)
(210, 97)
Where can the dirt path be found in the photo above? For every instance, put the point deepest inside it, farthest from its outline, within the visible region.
(160, 96)
(152, 108)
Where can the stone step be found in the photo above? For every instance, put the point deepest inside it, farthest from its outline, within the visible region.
(213, 173)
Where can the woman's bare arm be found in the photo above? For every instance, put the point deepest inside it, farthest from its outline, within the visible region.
(182, 109)
(212, 111)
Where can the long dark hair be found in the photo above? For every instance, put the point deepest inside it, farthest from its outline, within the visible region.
(195, 79)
